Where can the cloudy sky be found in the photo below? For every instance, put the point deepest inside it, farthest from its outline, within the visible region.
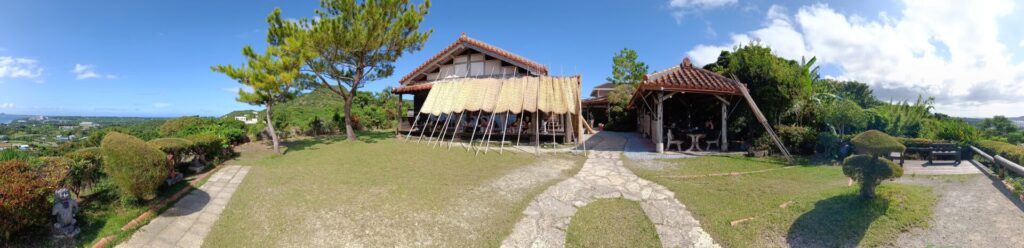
(152, 58)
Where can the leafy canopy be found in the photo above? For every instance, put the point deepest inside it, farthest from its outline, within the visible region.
(626, 69)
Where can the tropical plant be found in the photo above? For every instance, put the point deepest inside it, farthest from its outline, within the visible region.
(136, 167)
(24, 204)
(843, 115)
(904, 118)
(869, 167)
(87, 168)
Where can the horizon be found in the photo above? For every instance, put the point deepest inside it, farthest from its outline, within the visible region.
(152, 59)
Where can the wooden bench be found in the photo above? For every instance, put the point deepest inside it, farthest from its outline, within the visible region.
(945, 150)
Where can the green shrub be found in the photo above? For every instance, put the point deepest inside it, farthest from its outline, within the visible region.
(136, 167)
(174, 127)
(870, 168)
(23, 198)
(954, 130)
(828, 145)
(87, 168)
(1015, 138)
(208, 146)
(178, 148)
(11, 154)
(798, 139)
(1009, 151)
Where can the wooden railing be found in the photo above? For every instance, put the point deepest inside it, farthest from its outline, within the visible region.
(1000, 161)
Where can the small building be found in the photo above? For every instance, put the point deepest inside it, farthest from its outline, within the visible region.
(88, 124)
(249, 120)
(596, 107)
(471, 89)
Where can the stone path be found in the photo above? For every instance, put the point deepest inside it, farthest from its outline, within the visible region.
(188, 222)
(603, 176)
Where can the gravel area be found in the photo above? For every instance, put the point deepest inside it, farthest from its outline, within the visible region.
(972, 211)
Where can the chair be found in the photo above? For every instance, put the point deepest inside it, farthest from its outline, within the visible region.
(712, 141)
(671, 141)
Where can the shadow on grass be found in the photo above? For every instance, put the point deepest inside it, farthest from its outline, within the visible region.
(840, 221)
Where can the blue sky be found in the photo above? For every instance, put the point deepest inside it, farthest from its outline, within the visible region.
(152, 58)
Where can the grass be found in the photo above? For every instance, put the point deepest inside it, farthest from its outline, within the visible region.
(611, 223)
(799, 206)
(376, 192)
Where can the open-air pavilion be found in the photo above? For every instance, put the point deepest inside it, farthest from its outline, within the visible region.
(687, 107)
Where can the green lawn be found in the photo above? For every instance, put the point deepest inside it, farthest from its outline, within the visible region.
(611, 223)
(820, 209)
(382, 192)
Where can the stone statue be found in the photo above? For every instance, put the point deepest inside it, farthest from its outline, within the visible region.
(64, 208)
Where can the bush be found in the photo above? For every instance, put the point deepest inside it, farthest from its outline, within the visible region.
(954, 130)
(136, 167)
(1009, 151)
(830, 145)
(1015, 138)
(178, 148)
(86, 169)
(24, 203)
(870, 168)
(177, 125)
(208, 146)
(798, 139)
(11, 154)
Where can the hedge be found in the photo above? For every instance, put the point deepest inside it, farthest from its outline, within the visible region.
(24, 192)
(137, 168)
(1009, 151)
(207, 145)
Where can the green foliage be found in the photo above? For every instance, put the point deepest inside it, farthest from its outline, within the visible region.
(1015, 138)
(208, 145)
(350, 43)
(373, 111)
(86, 169)
(870, 171)
(774, 82)
(24, 203)
(12, 154)
(905, 119)
(829, 144)
(797, 139)
(1009, 151)
(620, 119)
(997, 126)
(178, 148)
(954, 130)
(843, 116)
(173, 127)
(626, 69)
(136, 167)
(876, 143)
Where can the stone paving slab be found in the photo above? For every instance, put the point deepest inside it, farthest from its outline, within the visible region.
(188, 222)
(603, 175)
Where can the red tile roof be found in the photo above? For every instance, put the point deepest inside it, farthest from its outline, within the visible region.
(595, 101)
(412, 88)
(464, 41)
(688, 78)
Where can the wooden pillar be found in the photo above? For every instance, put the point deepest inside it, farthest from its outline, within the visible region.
(723, 141)
(658, 125)
(536, 130)
(399, 115)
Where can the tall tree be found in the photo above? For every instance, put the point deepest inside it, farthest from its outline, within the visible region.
(273, 76)
(626, 69)
(354, 42)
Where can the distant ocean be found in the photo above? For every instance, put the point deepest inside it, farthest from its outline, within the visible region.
(4, 119)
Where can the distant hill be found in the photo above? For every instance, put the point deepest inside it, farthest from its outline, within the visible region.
(1018, 120)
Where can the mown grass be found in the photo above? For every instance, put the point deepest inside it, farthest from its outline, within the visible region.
(798, 206)
(376, 192)
(611, 223)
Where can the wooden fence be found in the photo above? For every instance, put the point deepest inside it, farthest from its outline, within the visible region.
(1000, 161)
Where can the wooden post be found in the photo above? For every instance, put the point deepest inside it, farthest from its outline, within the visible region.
(425, 124)
(764, 121)
(475, 125)
(413, 126)
(658, 132)
(504, 129)
(461, 114)
(487, 134)
(723, 141)
(444, 129)
(536, 130)
(434, 129)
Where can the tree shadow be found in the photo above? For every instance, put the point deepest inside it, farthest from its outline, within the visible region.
(191, 203)
(840, 221)
(310, 143)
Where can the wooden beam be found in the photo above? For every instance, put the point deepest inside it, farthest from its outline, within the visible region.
(763, 120)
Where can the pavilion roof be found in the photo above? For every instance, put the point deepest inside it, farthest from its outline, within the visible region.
(464, 42)
(687, 78)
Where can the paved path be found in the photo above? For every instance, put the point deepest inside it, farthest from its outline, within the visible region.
(603, 176)
(922, 167)
(972, 211)
(188, 222)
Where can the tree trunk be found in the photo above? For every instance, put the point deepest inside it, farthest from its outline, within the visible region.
(349, 133)
(273, 133)
(867, 189)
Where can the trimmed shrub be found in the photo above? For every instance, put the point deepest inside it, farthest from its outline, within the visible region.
(178, 148)
(87, 168)
(1009, 151)
(136, 167)
(870, 168)
(208, 146)
(24, 203)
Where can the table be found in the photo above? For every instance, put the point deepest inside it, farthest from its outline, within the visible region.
(694, 141)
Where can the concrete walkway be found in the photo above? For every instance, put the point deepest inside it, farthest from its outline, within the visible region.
(603, 176)
(188, 222)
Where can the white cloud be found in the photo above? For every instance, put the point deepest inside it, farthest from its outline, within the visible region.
(161, 105)
(83, 71)
(950, 50)
(6, 105)
(1021, 43)
(681, 7)
(11, 67)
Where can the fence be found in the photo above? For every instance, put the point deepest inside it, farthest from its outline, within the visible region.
(1000, 161)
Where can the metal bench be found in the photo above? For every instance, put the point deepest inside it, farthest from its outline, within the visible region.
(945, 150)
